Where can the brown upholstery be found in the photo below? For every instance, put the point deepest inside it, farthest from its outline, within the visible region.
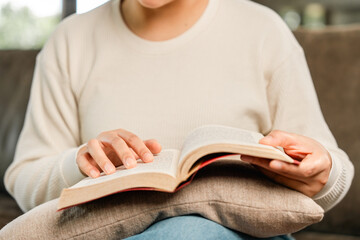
(16, 70)
(334, 59)
(333, 56)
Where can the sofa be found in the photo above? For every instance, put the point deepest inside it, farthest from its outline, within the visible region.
(333, 55)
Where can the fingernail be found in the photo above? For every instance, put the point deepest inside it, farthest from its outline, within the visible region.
(277, 165)
(245, 159)
(148, 157)
(129, 162)
(109, 168)
(267, 138)
(93, 173)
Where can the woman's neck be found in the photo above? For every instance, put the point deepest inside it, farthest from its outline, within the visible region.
(162, 23)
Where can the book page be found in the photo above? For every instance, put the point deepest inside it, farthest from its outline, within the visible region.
(164, 162)
(212, 134)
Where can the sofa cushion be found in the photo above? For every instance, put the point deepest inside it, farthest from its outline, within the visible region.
(9, 209)
(236, 196)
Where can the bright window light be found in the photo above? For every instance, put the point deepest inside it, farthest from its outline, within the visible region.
(39, 8)
(87, 5)
(27, 24)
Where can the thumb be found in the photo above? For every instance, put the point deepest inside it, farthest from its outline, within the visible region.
(279, 138)
(294, 145)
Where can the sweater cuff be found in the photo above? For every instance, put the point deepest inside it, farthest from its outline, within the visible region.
(70, 171)
(334, 174)
(335, 188)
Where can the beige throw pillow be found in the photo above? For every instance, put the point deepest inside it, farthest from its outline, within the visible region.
(236, 196)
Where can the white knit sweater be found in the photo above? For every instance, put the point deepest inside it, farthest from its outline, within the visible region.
(239, 65)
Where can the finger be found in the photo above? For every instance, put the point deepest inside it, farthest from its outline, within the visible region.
(137, 145)
(311, 172)
(310, 167)
(315, 158)
(287, 169)
(288, 182)
(315, 164)
(97, 153)
(293, 144)
(276, 166)
(124, 153)
(121, 149)
(278, 138)
(86, 167)
(153, 145)
(134, 154)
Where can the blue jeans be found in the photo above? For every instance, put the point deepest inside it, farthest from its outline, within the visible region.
(194, 227)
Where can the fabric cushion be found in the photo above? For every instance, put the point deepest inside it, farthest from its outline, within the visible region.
(236, 196)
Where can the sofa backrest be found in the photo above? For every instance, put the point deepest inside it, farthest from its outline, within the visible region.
(16, 70)
(333, 56)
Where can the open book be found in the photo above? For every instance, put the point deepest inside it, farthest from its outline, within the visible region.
(172, 168)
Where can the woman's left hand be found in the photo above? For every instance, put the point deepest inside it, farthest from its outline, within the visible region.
(310, 176)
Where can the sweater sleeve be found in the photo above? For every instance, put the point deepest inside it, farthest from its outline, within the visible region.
(294, 108)
(45, 158)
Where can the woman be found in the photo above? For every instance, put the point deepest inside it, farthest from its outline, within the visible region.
(160, 68)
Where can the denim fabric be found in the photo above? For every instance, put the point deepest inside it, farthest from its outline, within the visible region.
(194, 227)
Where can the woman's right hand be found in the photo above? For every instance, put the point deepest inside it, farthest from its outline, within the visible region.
(114, 148)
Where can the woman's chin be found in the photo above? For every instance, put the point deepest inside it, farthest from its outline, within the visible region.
(154, 4)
